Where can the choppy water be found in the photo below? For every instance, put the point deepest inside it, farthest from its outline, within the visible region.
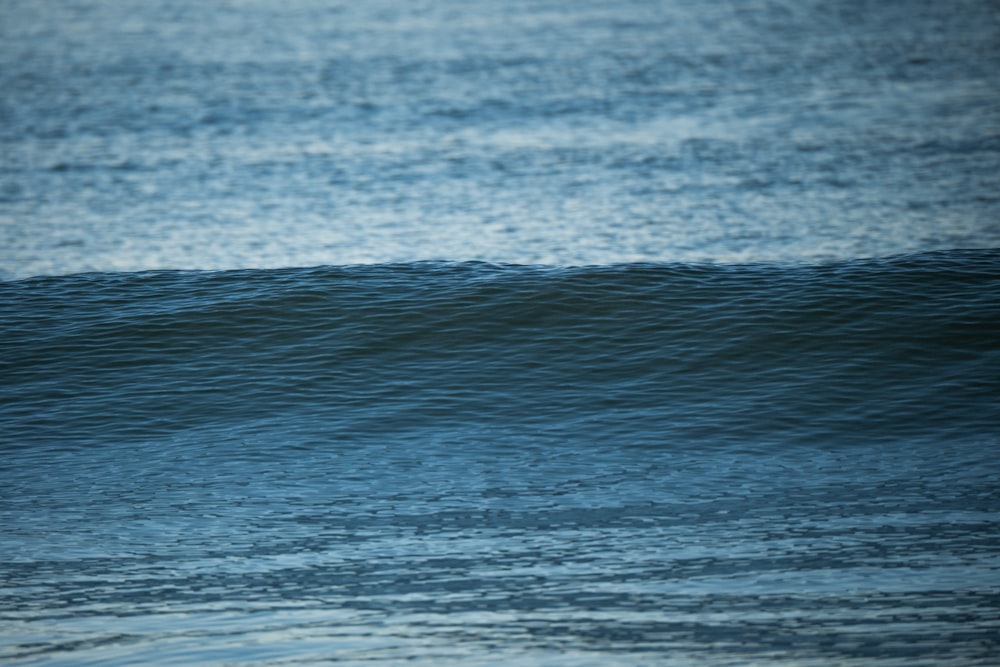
(147, 135)
(636, 333)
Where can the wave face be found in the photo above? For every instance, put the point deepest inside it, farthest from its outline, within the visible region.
(633, 355)
(464, 462)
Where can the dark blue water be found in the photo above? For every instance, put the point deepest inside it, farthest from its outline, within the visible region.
(470, 463)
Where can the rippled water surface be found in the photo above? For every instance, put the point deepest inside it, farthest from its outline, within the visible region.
(145, 135)
(636, 333)
(474, 463)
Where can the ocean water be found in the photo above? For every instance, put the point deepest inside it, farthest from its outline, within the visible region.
(470, 463)
(527, 333)
(143, 134)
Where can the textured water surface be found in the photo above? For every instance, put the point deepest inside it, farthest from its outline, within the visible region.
(473, 464)
(636, 333)
(149, 135)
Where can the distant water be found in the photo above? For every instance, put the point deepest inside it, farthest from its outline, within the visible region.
(458, 332)
(173, 134)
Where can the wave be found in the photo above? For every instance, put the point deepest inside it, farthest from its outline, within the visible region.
(647, 355)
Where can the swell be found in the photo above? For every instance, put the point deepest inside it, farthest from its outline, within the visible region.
(647, 355)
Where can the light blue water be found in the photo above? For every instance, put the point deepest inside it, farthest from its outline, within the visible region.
(143, 135)
(747, 433)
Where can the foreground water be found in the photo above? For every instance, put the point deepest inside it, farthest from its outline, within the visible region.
(439, 463)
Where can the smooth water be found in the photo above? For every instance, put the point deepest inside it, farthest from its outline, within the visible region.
(468, 333)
